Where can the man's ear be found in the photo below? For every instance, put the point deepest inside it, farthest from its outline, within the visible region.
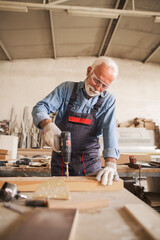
(89, 69)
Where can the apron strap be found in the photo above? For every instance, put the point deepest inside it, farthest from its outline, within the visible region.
(74, 94)
(98, 104)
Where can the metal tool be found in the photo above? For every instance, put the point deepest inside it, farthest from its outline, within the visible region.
(13, 207)
(9, 191)
(133, 163)
(22, 161)
(65, 144)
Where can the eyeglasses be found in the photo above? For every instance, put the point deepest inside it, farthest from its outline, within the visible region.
(98, 81)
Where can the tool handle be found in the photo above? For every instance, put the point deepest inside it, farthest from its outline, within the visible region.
(36, 203)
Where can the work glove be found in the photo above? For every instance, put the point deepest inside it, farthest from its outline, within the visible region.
(52, 136)
(108, 174)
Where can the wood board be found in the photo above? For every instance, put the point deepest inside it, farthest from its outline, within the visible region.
(47, 224)
(146, 217)
(3, 151)
(153, 198)
(9, 143)
(75, 184)
(80, 205)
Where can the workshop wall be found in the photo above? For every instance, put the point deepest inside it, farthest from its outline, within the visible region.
(24, 82)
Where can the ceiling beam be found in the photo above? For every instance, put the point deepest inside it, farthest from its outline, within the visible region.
(154, 50)
(107, 32)
(13, 8)
(5, 50)
(49, 6)
(83, 13)
(53, 35)
(112, 30)
(58, 2)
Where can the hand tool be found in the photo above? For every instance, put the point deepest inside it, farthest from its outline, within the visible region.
(36, 203)
(65, 146)
(133, 163)
(13, 207)
(9, 191)
(22, 161)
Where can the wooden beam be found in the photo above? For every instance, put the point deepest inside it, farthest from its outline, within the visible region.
(57, 2)
(14, 8)
(40, 6)
(107, 32)
(114, 31)
(75, 184)
(53, 35)
(133, 5)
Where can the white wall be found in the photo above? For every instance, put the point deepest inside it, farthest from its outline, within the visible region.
(24, 82)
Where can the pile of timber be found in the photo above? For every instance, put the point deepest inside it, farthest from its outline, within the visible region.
(3, 154)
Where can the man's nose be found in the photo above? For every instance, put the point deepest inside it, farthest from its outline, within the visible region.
(98, 87)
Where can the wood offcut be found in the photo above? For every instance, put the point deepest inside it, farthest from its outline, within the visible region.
(75, 184)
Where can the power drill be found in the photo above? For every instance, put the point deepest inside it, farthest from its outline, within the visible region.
(65, 145)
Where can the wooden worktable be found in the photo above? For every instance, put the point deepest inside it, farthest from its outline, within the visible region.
(123, 170)
(112, 222)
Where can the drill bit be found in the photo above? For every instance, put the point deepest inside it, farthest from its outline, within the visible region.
(67, 170)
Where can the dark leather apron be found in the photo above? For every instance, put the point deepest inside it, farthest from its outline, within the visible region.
(85, 147)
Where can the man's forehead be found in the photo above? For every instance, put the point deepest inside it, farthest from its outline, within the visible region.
(105, 73)
(103, 69)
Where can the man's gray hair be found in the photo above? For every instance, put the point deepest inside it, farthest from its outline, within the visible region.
(109, 62)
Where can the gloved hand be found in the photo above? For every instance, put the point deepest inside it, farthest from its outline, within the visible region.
(108, 174)
(52, 136)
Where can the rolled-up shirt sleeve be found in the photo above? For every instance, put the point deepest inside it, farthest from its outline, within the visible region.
(110, 139)
(50, 104)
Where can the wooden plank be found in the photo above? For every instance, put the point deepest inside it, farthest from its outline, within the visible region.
(9, 143)
(80, 205)
(146, 217)
(75, 184)
(3, 151)
(3, 156)
(47, 224)
(153, 198)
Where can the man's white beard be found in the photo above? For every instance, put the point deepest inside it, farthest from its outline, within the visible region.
(90, 90)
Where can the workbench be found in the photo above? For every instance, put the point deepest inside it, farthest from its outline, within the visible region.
(123, 170)
(111, 222)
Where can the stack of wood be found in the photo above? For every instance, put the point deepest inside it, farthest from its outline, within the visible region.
(140, 123)
(3, 154)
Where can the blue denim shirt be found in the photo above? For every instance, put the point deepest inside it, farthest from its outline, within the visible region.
(58, 100)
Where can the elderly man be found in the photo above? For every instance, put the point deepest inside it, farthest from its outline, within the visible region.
(87, 110)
